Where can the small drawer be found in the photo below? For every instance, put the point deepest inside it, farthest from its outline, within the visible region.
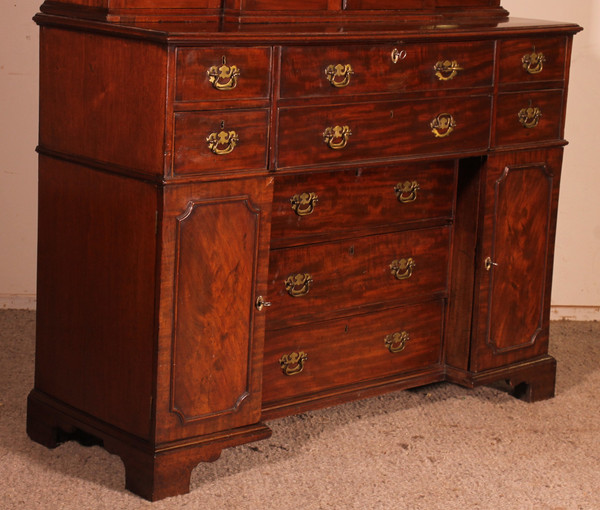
(311, 204)
(217, 141)
(319, 280)
(525, 117)
(532, 60)
(327, 355)
(373, 131)
(213, 74)
(325, 71)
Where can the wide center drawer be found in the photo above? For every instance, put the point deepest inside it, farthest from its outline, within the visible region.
(327, 355)
(321, 280)
(359, 69)
(373, 131)
(321, 203)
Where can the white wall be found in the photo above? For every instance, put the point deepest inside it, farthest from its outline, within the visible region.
(18, 138)
(576, 290)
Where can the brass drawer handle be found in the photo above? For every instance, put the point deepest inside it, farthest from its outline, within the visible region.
(446, 70)
(533, 62)
(303, 204)
(337, 137)
(222, 142)
(293, 363)
(339, 75)
(398, 55)
(223, 77)
(396, 342)
(298, 284)
(406, 192)
(442, 125)
(530, 117)
(402, 269)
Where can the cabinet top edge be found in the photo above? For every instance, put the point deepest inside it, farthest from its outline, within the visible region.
(307, 33)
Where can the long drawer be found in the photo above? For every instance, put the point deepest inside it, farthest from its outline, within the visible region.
(322, 280)
(321, 203)
(359, 69)
(320, 356)
(383, 130)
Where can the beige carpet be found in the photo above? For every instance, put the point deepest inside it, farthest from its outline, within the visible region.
(438, 447)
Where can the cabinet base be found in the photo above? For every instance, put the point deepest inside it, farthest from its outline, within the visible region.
(530, 380)
(153, 472)
(156, 472)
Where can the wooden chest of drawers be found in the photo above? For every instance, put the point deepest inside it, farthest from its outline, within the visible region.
(240, 221)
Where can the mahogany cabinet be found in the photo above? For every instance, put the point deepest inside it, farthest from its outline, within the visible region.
(256, 208)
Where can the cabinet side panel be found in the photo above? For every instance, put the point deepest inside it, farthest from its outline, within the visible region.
(103, 98)
(95, 299)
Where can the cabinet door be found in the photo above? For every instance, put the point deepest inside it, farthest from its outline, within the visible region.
(515, 255)
(214, 263)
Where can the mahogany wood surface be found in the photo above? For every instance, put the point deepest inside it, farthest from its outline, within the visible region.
(351, 350)
(362, 198)
(381, 130)
(96, 282)
(510, 64)
(173, 157)
(213, 264)
(355, 272)
(520, 194)
(259, 10)
(509, 129)
(254, 65)
(374, 70)
(191, 130)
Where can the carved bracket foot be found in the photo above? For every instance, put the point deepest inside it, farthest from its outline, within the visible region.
(531, 380)
(153, 472)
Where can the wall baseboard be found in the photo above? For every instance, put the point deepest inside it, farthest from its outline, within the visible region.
(18, 301)
(574, 313)
(557, 312)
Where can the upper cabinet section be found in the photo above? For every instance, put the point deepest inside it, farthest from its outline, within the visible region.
(273, 10)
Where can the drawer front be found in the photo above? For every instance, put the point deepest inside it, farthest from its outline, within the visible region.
(212, 142)
(524, 117)
(313, 281)
(372, 131)
(532, 60)
(213, 74)
(351, 350)
(324, 71)
(310, 204)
